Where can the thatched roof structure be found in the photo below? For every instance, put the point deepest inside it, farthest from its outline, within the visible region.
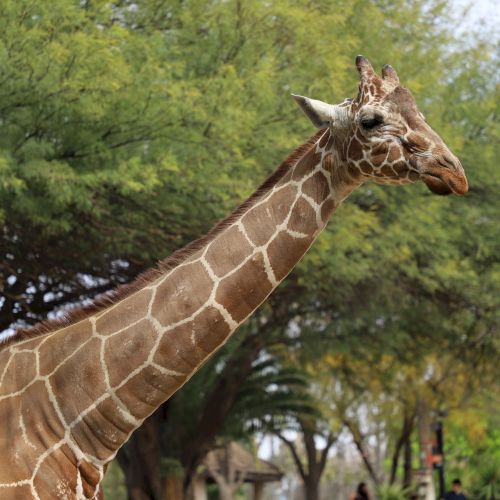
(234, 458)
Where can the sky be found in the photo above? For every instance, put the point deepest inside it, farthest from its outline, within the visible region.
(482, 13)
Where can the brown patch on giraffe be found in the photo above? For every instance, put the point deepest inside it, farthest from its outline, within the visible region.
(212, 331)
(324, 139)
(306, 164)
(287, 176)
(109, 411)
(62, 344)
(413, 176)
(327, 209)
(129, 310)
(39, 418)
(330, 143)
(186, 290)
(28, 344)
(316, 187)
(76, 390)
(145, 391)
(260, 222)
(90, 478)
(52, 479)
(387, 171)
(20, 372)
(98, 435)
(227, 251)
(400, 167)
(377, 160)
(365, 167)
(328, 163)
(31, 411)
(406, 106)
(208, 330)
(129, 349)
(285, 251)
(353, 171)
(241, 292)
(380, 149)
(21, 492)
(418, 141)
(343, 177)
(17, 466)
(355, 151)
(394, 153)
(360, 137)
(303, 218)
(176, 351)
(169, 263)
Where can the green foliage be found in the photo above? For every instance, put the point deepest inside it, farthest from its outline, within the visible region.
(129, 127)
(472, 438)
(391, 493)
(170, 467)
(114, 482)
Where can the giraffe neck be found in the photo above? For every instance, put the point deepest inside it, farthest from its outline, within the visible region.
(97, 380)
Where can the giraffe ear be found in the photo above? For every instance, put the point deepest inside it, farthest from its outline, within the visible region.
(319, 112)
(365, 69)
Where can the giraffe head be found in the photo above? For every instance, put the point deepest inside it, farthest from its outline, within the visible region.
(381, 135)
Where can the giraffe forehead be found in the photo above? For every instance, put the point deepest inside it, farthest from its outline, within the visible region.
(397, 105)
(402, 102)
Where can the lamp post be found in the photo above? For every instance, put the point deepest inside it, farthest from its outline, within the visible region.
(438, 451)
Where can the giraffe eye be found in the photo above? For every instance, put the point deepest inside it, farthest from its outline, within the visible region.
(369, 123)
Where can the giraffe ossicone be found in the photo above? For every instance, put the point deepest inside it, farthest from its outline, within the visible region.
(72, 392)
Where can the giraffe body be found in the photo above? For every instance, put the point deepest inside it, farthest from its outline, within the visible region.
(69, 398)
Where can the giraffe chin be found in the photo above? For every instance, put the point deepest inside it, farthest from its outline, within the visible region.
(436, 185)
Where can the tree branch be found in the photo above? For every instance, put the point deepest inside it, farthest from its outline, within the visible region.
(358, 441)
(295, 454)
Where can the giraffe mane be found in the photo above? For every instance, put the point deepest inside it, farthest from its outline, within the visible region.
(177, 257)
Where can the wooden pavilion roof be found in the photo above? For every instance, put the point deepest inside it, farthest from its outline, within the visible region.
(241, 462)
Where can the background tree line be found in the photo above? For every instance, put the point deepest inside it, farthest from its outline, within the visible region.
(129, 127)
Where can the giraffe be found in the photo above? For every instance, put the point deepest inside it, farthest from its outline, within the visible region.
(73, 391)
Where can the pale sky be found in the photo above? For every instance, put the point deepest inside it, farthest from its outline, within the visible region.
(482, 13)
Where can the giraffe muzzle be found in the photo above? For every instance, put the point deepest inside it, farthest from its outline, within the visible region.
(443, 175)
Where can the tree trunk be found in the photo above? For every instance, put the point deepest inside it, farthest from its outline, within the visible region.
(225, 492)
(407, 464)
(311, 488)
(173, 489)
(403, 442)
(316, 459)
(314, 469)
(360, 445)
(395, 459)
(426, 484)
(140, 461)
(219, 403)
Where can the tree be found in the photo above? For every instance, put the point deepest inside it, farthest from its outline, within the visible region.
(128, 128)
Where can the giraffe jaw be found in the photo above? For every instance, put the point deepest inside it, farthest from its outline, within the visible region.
(440, 177)
(445, 184)
(436, 184)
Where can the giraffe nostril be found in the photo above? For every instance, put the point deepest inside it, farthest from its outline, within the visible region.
(447, 162)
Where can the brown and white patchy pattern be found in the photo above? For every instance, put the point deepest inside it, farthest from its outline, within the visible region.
(71, 397)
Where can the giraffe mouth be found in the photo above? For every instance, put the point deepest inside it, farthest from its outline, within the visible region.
(445, 183)
(436, 184)
(441, 179)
